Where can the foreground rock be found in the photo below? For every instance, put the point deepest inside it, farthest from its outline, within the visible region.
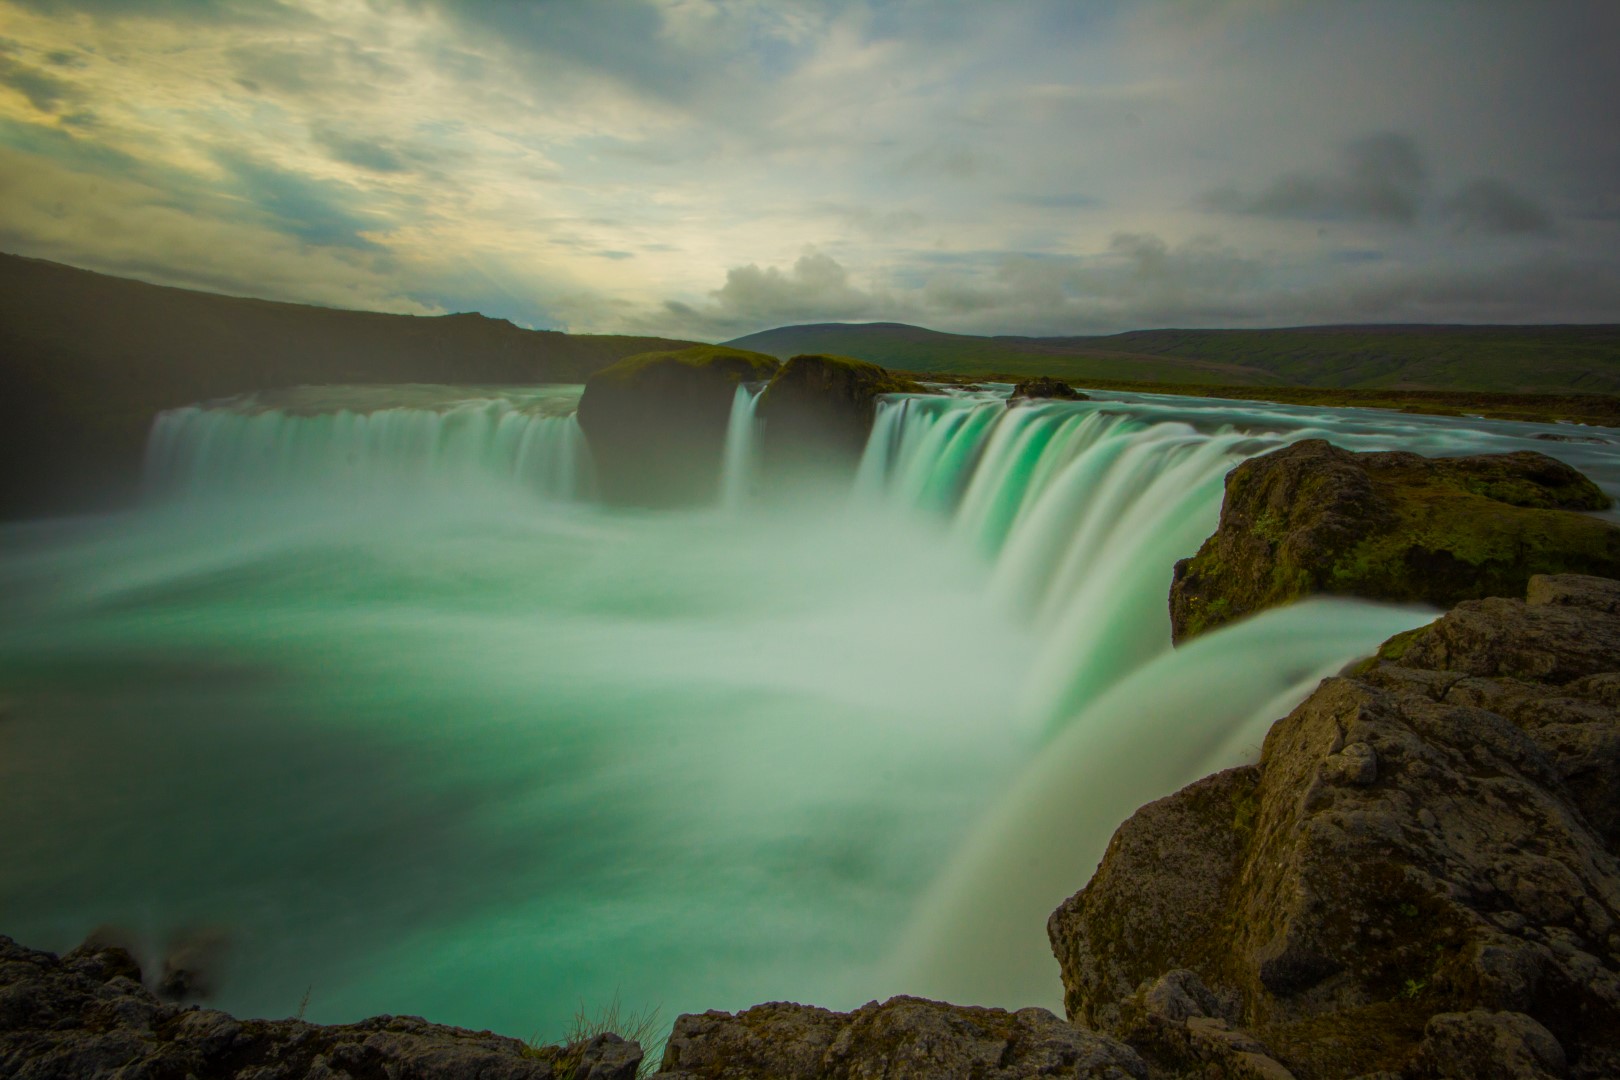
(1044, 387)
(1312, 518)
(904, 1038)
(1419, 879)
(820, 408)
(87, 1015)
(656, 422)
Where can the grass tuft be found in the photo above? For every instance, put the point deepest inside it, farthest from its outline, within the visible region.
(639, 1026)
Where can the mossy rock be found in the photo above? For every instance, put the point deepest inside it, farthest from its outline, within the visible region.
(1313, 518)
(821, 408)
(656, 422)
(1044, 387)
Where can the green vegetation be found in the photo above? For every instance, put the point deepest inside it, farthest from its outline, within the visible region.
(844, 375)
(637, 1026)
(1491, 359)
(1312, 518)
(738, 365)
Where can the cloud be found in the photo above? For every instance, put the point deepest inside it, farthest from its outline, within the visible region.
(1492, 206)
(1382, 178)
(43, 90)
(1138, 280)
(205, 11)
(377, 155)
(815, 289)
(318, 211)
(1041, 167)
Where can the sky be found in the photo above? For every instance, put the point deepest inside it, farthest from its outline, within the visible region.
(709, 168)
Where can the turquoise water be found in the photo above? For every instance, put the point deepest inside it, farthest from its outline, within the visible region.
(372, 688)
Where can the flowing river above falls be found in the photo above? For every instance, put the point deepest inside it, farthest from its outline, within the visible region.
(371, 688)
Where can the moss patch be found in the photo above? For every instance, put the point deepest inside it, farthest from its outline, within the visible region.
(736, 365)
(1312, 518)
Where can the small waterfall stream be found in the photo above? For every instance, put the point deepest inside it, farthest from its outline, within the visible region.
(739, 463)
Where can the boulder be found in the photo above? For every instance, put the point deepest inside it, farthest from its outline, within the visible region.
(1421, 877)
(87, 1014)
(904, 1038)
(656, 422)
(1043, 386)
(1312, 518)
(819, 409)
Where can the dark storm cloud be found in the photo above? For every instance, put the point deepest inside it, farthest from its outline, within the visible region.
(1381, 178)
(1494, 207)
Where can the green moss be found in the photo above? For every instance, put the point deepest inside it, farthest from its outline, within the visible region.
(1245, 809)
(1448, 544)
(1409, 530)
(743, 365)
(842, 374)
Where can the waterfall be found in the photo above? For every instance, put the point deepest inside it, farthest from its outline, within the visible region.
(1084, 510)
(739, 463)
(528, 438)
(979, 936)
(360, 626)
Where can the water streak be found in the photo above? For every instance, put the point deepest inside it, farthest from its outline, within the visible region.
(739, 464)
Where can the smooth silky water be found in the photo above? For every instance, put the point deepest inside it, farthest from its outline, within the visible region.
(370, 686)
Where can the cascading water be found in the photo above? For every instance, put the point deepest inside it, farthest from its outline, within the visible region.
(420, 741)
(348, 440)
(738, 465)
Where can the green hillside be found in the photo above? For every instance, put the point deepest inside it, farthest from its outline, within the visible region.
(1498, 359)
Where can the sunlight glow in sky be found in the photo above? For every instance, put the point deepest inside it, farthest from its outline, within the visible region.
(708, 168)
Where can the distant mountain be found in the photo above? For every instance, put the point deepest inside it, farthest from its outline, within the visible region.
(86, 361)
(1504, 359)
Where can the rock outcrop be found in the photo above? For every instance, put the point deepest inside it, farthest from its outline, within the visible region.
(1312, 518)
(656, 422)
(820, 408)
(904, 1038)
(86, 1014)
(1044, 387)
(1419, 879)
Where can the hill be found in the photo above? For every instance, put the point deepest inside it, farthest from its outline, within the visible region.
(86, 360)
(1497, 359)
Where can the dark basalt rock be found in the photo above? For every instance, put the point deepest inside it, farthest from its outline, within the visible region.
(904, 1038)
(820, 408)
(86, 1014)
(1044, 387)
(1312, 518)
(656, 422)
(1421, 878)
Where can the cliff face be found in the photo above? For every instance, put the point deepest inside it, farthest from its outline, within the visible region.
(1312, 518)
(1420, 877)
